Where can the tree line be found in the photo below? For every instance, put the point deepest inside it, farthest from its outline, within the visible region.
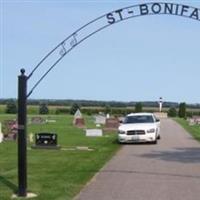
(95, 103)
(43, 108)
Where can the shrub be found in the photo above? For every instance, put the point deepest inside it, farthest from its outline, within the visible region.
(74, 108)
(182, 110)
(108, 109)
(32, 110)
(11, 107)
(43, 109)
(138, 107)
(172, 112)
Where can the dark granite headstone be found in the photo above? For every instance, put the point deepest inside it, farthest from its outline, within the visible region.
(46, 141)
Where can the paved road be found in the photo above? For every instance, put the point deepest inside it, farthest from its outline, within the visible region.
(169, 170)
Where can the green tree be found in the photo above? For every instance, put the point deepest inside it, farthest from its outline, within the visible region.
(138, 107)
(107, 108)
(182, 110)
(11, 107)
(74, 108)
(172, 112)
(43, 109)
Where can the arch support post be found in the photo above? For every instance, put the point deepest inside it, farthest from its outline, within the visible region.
(22, 143)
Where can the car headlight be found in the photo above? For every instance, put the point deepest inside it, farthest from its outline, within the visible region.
(152, 130)
(121, 132)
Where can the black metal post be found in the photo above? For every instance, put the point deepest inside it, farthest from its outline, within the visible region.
(22, 116)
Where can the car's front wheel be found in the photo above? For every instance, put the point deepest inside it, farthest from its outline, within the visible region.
(156, 140)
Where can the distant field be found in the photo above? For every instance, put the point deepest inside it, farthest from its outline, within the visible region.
(56, 174)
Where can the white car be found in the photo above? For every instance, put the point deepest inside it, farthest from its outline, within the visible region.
(139, 127)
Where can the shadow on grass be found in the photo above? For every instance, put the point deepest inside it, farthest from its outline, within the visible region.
(183, 155)
(9, 184)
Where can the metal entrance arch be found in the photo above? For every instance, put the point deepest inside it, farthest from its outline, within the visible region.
(106, 20)
(68, 44)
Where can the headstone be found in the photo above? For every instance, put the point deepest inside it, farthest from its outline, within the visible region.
(79, 122)
(78, 119)
(31, 138)
(37, 120)
(191, 121)
(46, 141)
(160, 115)
(1, 134)
(111, 124)
(94, 132)
(78, 114)
(11, 129)
(121, 119)
(99, 119)
(196, 119)
(107, 116)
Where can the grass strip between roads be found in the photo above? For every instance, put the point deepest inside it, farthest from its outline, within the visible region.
(56, 174)
(194, 130)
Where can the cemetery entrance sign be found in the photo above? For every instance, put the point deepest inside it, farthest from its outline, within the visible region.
(69, 43)
(153, 9)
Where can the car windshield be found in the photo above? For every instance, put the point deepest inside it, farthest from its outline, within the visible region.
(138, 119)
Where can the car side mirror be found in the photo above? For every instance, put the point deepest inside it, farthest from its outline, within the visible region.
(157, 120)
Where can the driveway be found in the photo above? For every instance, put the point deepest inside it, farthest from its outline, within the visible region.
(169, 170)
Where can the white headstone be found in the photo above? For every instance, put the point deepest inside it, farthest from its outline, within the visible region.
(107, 116)
(77, 114)
(31, 138)
(1, 134)
(94, 132)
(99, 119)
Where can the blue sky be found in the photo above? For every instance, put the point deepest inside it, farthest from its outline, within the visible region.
(138, 59)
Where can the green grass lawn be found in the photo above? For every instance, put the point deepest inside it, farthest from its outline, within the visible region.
(193, 130)
(56, 174)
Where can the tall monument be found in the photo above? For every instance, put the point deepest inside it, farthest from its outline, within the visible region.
(160, 104)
